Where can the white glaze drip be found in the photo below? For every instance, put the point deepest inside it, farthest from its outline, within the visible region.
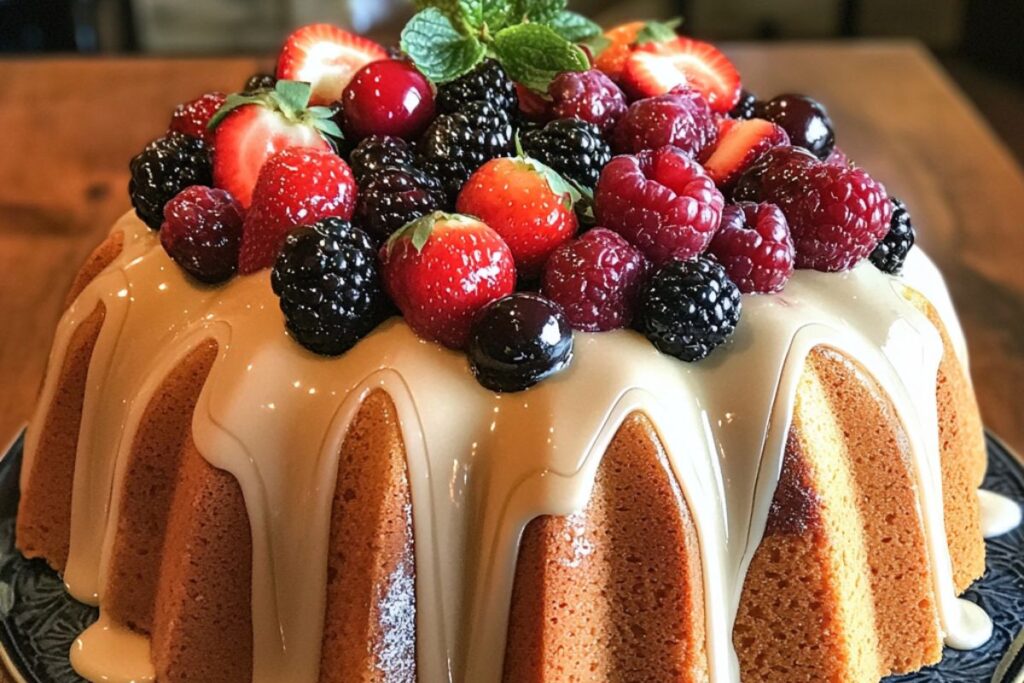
(999, 514)
(481, 465)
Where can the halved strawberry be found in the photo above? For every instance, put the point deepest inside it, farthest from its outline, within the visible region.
(326, 57)
(249, 129)
(655, 68)
(740, 144)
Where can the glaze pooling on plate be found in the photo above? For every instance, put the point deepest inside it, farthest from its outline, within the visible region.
(481, 465)
(39, 621)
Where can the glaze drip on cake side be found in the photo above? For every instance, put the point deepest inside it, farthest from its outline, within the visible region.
(481, 465)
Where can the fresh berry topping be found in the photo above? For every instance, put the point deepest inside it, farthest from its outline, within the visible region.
(754, 247)
(688, 308)
(662, 201)
(596, 279)
(258, 82)
(518, 341)
(745, 105)
(395, 196)
(457, 144)
(378, 152)
(441, 270)
(191, 118)
(487, 82)
(572, 147)
(524, 202)
(250, 129)
(327, 279)
(202, 230)
(532, 107)
(621, 40)
(587, 95)
(658, 67)
(297, 186)
(836, 215)
(679, 118)
(740, 144)
(892, 251)
(388, 97)
(838, 158)
(326, 57)
(805, 120)
(163, 169)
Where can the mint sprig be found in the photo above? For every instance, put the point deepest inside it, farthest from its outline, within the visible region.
(534, 40)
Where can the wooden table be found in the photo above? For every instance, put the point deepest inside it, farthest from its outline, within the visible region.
(69, 127)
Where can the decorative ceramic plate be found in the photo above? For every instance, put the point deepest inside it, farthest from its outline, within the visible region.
(39, 622)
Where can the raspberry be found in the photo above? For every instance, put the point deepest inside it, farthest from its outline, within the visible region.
(836, 215)
(329, 285)
(892, 251)
(487, 82)
(191, 118)
(660, 200)
(596, 280)
(457, 144)
(517, 341)
(572, 147)
(589, 96)
(838, 158)
(688, 308)
(202, 231)
(259, 82)
(395, 196)
(744, 107)
(680, 117)
(378, 152)
(754, 247)
(163, 169)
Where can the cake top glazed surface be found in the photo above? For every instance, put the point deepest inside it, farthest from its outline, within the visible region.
(523, 230)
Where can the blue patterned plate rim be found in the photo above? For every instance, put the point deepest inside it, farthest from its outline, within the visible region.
(39, 621)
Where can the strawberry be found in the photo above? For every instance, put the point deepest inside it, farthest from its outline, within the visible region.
(525, 202)
(326, 57)
(297, 186)
(249, 129)
(621, 40)
(657, 67)
(740, 144)
(441, 269)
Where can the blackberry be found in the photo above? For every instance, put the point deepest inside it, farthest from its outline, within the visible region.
(519, 340)
(163, 169)
(572, 147)
(377, 152)
(487, 82)
(395, 196)
(327, 279)
(457, 144)
(892, 251)
(259, 82)
(744, 107)
(688, 308)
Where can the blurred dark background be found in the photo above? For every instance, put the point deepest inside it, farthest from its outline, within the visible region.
(978, 41)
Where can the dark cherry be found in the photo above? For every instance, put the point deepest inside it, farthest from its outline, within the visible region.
(388, 97)
(519, 340)
(804, 119)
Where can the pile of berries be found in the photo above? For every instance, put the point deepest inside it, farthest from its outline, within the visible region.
(493, 216)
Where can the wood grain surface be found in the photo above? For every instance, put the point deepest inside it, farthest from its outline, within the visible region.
(69, 127)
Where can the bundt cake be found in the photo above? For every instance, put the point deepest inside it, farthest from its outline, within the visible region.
(303, 424)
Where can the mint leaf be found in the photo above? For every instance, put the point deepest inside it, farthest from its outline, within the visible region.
(533, 54)
(598, 44)
(658, 31)
(437, 48)
(479, 13)
(575, 28)
(540, 11)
